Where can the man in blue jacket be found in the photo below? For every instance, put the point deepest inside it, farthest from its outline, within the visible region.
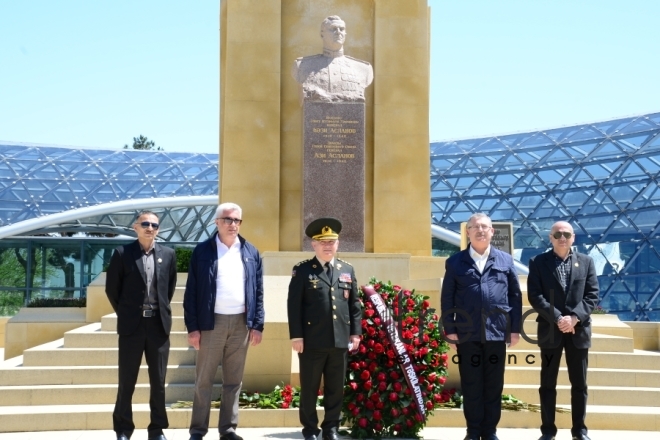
(223, 311)
(481, 313)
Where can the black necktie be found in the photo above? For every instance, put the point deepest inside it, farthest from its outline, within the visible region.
(328, 271)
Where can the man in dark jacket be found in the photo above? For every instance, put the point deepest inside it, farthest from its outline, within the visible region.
(562, 286)
(140, 283)
(481, 311)
(325, 319)
(223, 311)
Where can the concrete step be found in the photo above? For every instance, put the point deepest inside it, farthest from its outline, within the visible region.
(49, 375)
(598, 395)
(636, 360)
(90, 394)
(91, 336)
(596, 377)
(54, 354)
(109, 323)
(599, 342)
(99, 416)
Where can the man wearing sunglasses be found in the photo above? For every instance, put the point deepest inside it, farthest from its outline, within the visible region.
(223, 311)
(562, 287)
(140, 283)
(325, 319)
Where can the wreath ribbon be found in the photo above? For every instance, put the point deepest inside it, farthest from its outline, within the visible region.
(389, 325)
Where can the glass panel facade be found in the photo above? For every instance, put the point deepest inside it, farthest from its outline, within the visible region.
(603, 178)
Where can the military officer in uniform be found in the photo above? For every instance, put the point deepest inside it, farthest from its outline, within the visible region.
(332, 76)
(325, 319)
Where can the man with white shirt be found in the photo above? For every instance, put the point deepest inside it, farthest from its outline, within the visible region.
(325, 319)
(223, 311)
(481, 307)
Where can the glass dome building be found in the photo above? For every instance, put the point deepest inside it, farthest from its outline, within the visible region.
(602, 178)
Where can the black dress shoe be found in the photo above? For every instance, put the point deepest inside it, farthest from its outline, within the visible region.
(231, 436)
(547, 437)
(196, 436)
(122, 436)
(158, 437)
(489, 437)
(471, 437)
(330, 435)
(581, 437)
(311, 437)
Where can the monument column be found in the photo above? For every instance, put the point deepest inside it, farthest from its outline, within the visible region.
(250, 42)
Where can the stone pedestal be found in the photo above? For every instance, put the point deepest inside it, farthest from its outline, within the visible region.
(333, 169)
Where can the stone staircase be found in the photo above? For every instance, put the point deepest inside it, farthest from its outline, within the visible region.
(71, 383)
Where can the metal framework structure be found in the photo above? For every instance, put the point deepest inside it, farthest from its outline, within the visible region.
(602, 178)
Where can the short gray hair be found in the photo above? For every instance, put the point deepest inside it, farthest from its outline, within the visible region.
(477, 216)
(228, 207)
(328, 20)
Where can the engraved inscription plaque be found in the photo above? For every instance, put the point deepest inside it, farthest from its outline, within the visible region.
(333, 169)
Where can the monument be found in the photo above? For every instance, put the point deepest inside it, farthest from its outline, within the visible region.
(262, 130)
(331, 91)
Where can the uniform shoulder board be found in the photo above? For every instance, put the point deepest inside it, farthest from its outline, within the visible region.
(361, 61)
(344, 261)
(304, 261)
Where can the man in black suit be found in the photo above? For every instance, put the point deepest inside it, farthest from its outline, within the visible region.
(325, 320)
(140, 283)
(562, 287)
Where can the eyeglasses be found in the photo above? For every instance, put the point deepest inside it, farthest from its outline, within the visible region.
(145, 225)
(229, 220)
(480, 227)
(566, 235)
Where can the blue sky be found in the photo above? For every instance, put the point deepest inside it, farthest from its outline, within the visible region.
(98, 73)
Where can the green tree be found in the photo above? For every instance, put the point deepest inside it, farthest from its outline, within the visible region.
(143, 143)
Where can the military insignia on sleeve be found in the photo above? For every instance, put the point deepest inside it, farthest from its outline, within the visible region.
(345, 278)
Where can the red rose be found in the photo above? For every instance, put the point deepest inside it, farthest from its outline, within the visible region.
(367, 385)
(389, 364)
(429, 405)
(359, 397)
(377, 321)
(351, 406)
(407, 293)
(429, 387)
(409, 423)
(378, 348)
(373, 366)
(398, 427)
(371, 342)
(371, 355)
(370, 405)
(355, 366)
(425, 338)
(426, 304)
(431, 325)
(371, 331)
(434, 344)
(394, 412)
(369, 312)
(442, 380)
(285, 404)
(410, 303)
(381, 376)
(377, 415)
(376, 287)
(432, 376)
(355, 412)
(396, 386)
(375, 397)
(362, 349)
(378, 426)
(444, 356)
(391, 354)
(396, 288)
(353, 385)
(363, 364)
(437, 397)
(405, 411)
(394, 375)
(380, 405)
(382, 386)
(418, 417)
(393, 397)
(365, 375)
(363, 422)
(382, 334)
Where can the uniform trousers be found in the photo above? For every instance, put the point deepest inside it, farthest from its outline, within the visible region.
(577, 360)
(149, 338)
(331, 364)
(482, 379)
(226, 345)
